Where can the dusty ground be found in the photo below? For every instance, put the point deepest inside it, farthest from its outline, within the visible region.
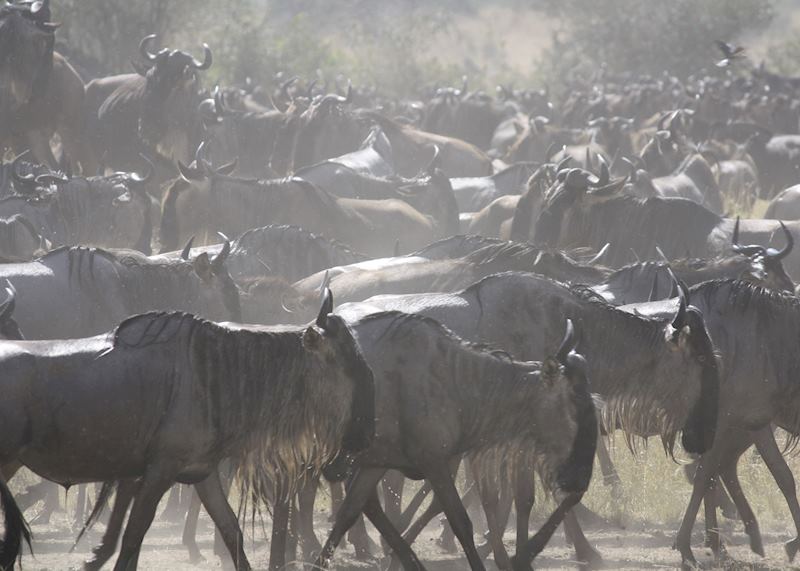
(640, 546)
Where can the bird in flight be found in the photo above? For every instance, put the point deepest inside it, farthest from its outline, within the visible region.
(730, 52)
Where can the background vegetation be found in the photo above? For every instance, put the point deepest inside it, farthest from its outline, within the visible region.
(402, 45)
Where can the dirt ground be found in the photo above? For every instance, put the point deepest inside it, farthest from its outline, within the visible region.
(640, 546)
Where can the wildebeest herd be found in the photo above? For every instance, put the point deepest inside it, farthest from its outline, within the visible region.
(517, 276)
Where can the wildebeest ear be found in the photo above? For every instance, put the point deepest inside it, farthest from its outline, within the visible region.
(312, 339)
(202, 266)
(551, 369)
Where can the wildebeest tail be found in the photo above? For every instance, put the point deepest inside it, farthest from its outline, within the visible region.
(16, 529)
(106, 490)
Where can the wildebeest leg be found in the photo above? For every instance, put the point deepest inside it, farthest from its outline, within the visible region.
(154, 485)
(768, 448)
(527, 552)
(584, 551)
(724, 502)
(607, 468)
(444, 487)
(524, 495)
(358, 492)
(400, 549)
(712, 527)
(497, 508)
(433, 509)
(707, 468)
(225, 471)
(360, 539)
(51, 502)
(730, 477)
(213, 497)
(103, 552)
(280, 527)
(305, 518)
(172, 512)
(189, 538)
(80, 506)
(392, 485)
(414, 505)
(337, 497)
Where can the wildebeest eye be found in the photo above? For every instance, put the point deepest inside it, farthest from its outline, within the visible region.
(701, 358)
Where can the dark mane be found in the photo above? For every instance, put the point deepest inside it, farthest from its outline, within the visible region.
(399, 318)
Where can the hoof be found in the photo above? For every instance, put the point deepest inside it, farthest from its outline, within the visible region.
(757, 545)
(687, 557)
(791, 548)
(590, 559)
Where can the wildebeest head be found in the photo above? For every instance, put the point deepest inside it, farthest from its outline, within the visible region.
(767, 265)
(690, 342)
(568, 369)
(340, 355)
(170, 92)
(324, 130)
(214, 274)
(26, 51)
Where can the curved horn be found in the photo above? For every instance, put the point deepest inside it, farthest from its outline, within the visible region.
(680, 317)
(311, 86)
(326, 280)
(787, 249)
(189, 173)
(600, 254)
(142, 179)
(219, 101)
(435, 159)
(147, 54)
(208, 59)
(45, 179)
(568, 343)
(187, 249)
(284, 89)
(327, 307)
(220, 258)
(754, 250)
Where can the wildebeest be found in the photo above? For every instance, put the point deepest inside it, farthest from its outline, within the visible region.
(758, 389)
(110, 211)
(692, 179)
(576, 215)
(521, 313)
(152, 111)
(207, 200)
(288, 252)
(416, 273)
(182, 394)
(482, 401)
(72, 292)
(26, 44)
